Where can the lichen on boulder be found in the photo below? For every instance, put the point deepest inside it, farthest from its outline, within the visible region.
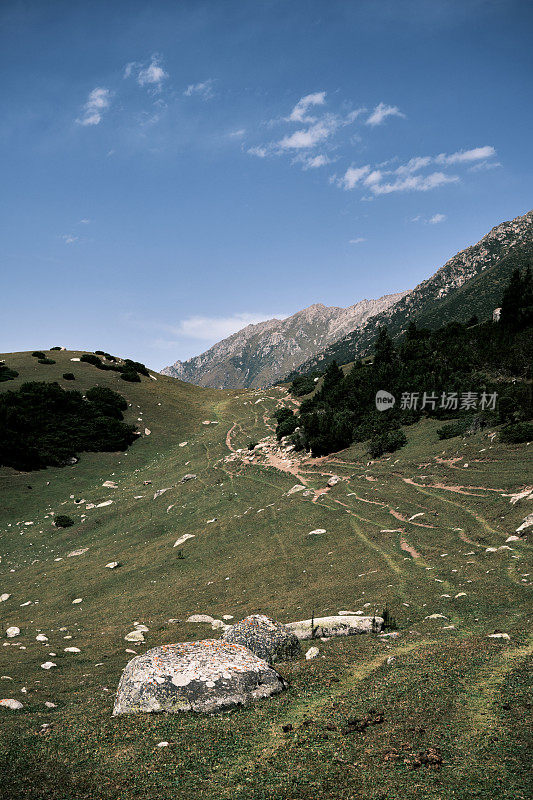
(205, 676)
(265, 637)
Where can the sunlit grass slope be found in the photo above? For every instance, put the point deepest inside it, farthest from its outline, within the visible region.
(411, 531)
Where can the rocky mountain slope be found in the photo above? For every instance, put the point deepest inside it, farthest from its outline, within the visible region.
(469, 283)
(258, 355)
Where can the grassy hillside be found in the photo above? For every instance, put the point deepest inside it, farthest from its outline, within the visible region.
(411, 531)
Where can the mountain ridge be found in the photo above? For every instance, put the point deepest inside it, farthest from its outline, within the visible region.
(259, 354)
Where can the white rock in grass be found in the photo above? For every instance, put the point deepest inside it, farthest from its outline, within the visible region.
(499, 636)
(12, 632)
(436, 616)
(110, 485)
(5, 596)
(134, 636)
(79, 552)
(48, 704)
(77, 601)
(317, 532)
(201, 618)
(72, 650)
(312, 653)
(41, 638)
(335, 626)
(105, 503)
(333, 481)
(112, 564)
(509, 539)
(183, 444)
(461, 594)
(14, 705)
(147, 431)
(162, 744)
(183, 539)
(48, 665)
(140, 627)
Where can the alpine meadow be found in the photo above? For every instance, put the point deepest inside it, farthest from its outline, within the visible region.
(266, 405)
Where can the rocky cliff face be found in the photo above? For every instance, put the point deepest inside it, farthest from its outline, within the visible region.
(445, 296)
(259, 355)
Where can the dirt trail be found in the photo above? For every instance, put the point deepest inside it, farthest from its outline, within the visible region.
(456, 489)
(408, 549)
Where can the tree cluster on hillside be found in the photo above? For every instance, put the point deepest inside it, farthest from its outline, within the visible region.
(479, 372)
(130, 370)
(44, 425)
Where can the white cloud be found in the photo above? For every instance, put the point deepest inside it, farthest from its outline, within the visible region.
(260, 152)
(414, 183)
(313, 162)
(436, 218)
(237, 134)
(217, 328)
(203, 90)
(152, 75)
(381, 112)
(358, 240)
(318, 132)
(352, 176)
(68, 238)
(299, 112)
(462, 156)
(97, 102)
(484, 165)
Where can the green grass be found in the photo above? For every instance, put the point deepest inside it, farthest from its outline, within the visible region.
(455, 690)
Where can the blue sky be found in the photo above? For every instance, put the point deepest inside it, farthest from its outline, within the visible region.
(173, 171)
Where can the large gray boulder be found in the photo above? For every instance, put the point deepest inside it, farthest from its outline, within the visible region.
(268, 639)
(205, 676)
(340, 625)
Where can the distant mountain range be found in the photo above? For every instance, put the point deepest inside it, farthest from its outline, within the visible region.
(470, 283)
(261, 354)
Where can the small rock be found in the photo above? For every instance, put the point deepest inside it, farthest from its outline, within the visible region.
(162, 744)
(48, 665)
(134, 636)
(48, 704)
(5, 596)
(41, 638)
(110, 485)
(77, 600)
(183, 539)
(317, 532)
(333, 481)
(72, 650)
(312, 653)
(188, 477)
(112, 564)
(499, 636)
(14, 705)
(12, 632)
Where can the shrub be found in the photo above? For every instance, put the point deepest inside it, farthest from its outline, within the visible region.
(286, 426)
(99, 352)
(7, 374)
(89, 358)
(131, 377)
(252, 445)
(38, 354)
(386, 442)
(55, 348)
(69, 376)
(457, 428)
(302, 384)
(135, 366)
(108, 402)
(517, 433)
(44, 425)
(62, 521)
(46, 361)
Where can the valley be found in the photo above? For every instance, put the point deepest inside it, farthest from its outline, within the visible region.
(423, 531)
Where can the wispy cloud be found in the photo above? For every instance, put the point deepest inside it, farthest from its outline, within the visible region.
(381, 112)
(204, 89)
(152, 75)
(69, 238)
(98, 101)
(299, 112)
(358, 240)
(314, 162)
(309, 137)
(436, 218)
(216, 328)
(411, 176)
(84, 221)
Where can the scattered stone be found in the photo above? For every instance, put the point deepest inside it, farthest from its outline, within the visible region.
(147, 431)
(14, 705)
(266, 638)
(203, 676)
(162, 744)
(527, 523)
(12, 631)
(105, 503)
(112, 564)
(134, 636)
(499, 636)
(41, 637)
(48, 665)
(4, 597)
(110, 485)
(461, 594)
(201, 618)
(317, 532)
(183, 539)
(161, 491)
(183, 444)
(436, 616)
(79, 552)
(188, 477)
(509, 539)
(227, 616)
(299, 487)
(48, 704)
(335, 626)
(312, 653)
(333, 481)
(72, 650)
(77, 600)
